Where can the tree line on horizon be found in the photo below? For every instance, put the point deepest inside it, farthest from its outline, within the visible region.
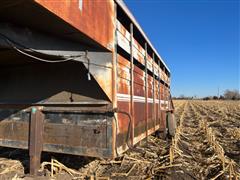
(227, 95)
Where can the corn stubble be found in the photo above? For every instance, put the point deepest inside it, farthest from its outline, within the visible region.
(206, 145)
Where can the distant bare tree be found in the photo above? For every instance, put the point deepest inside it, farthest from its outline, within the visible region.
(215, 97)
(182, 96)
(221, 97)
(206, 98)
(231, 94)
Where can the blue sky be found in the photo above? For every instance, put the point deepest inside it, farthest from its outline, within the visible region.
(198, 39)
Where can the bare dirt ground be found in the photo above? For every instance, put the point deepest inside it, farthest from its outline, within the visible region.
(206, 146)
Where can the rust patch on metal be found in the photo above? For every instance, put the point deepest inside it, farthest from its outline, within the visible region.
(96, 20)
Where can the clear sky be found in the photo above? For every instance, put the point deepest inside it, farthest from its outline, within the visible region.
(198, 40)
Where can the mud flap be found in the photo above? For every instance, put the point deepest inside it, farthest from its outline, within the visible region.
(171, 124)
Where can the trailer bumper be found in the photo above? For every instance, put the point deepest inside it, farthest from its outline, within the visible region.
(69, 132)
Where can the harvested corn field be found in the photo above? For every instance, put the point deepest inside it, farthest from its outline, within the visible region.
(207, 140)
(206, 146)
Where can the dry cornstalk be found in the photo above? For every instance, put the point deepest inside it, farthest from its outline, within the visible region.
(219, 152)
(169, 166)
(102, 178)
(12, 165)
(111, 162)
(58, 167)
(137, 160)
(125, 174)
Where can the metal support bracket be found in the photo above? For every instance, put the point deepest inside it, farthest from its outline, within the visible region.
(35, 139)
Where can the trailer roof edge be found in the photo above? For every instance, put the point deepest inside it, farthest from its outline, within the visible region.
(133, 19)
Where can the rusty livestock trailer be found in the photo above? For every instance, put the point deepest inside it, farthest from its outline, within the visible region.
(78, 77)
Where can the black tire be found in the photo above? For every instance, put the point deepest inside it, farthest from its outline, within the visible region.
(171, 124)
(161, 134)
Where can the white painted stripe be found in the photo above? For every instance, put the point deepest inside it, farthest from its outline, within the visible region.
(127, 98)
(139, 101)
(123, 100)
(163, 102)
(136, 100)
(123, 95)
(150, 100)
(139, 97)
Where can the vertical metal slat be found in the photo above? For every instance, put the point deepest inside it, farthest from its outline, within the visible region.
(132, 83)
(153, 110)
(159, 92)
(146, 92)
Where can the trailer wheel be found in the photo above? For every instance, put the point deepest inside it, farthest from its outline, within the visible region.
(171, 124)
